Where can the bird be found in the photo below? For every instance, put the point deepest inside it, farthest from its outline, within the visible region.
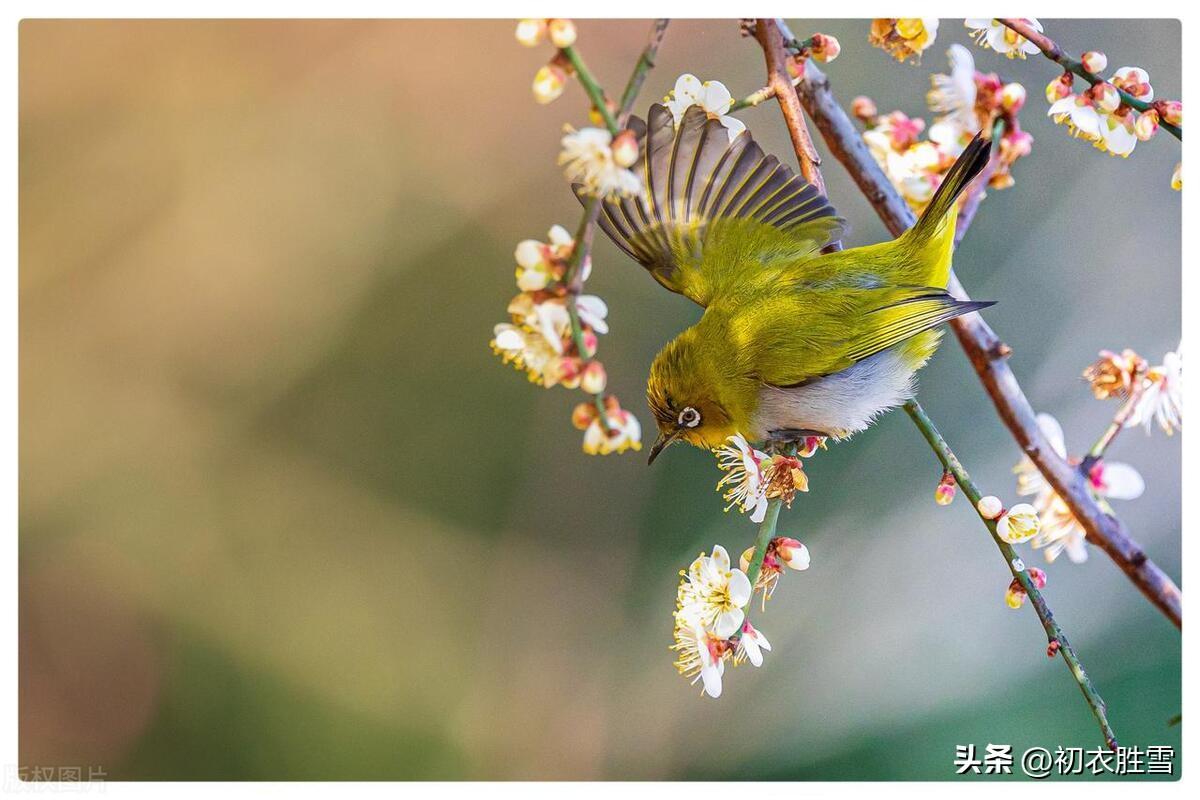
(793, 341)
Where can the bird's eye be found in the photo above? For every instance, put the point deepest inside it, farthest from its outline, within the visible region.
(689, 417)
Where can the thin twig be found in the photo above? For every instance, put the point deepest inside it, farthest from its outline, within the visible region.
(771, 39)
(573, 276)
(1057, 640)
(987, 354)
(1119, 420)
(1052, 51)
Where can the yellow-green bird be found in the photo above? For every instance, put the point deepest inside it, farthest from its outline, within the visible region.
(792, 342)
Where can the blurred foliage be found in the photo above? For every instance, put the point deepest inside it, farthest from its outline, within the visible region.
(284, 516)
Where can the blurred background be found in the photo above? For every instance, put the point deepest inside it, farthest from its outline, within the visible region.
(284, 516)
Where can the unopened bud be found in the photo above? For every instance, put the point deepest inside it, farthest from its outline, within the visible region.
(1059, 88)
(747, 556)
(1171, 111)
(792, 553)
(1015, 596)
(582, 415)
(943, 495)
(625, 149)
(864, 108)
(1106, 97)
(1146, 125)
(1037, 577)
(825, 48)
(1094, 61)
(1177, 177)
(590, 343)
(1012, 97)
(989, 507)
(531, 31)
(548, 84)
(562, 32)
(594, 378)
(529, 254)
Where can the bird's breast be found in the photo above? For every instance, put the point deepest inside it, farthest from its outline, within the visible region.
(840, 404)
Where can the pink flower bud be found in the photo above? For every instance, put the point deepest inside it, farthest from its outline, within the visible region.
(548, 84)
(531, 31)
(562, 32)
(1094, 61)
(582, 415)
(1146, 125)
(943, 495)
(625, 149)
(864, 108)
(825, 48)
(590, 343)
(1106, 97)
(1171, 111)
(1012, 97)
(1037, 576)
(1059, 88)
(594, 378)
(791, 552)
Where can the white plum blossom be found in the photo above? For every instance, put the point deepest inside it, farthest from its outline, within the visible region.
(701, 656)
(953, 95)
(1001, 38)
(712, 96)
(743, 477)
(1060, 531)
(751, 645)
(1080, 116)
(1162, 398)
(587, 157)
(625, 434)
(713, 594)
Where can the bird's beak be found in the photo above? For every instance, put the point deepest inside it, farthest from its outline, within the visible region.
(661, 443)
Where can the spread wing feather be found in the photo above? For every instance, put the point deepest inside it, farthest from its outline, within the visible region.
(697, 182)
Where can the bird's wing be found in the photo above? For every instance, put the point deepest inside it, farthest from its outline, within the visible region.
(698, 186)
(843, 327)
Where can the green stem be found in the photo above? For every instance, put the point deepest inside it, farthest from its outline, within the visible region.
(573, 276)
(766, 532)
(594, 91)
(1016, 566)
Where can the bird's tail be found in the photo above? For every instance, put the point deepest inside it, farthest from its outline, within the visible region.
(933, 235)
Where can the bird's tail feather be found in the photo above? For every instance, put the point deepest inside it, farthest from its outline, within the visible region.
(933, 235)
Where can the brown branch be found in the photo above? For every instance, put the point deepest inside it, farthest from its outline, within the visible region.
(988, 354)
(771, 39)
(1052, 51)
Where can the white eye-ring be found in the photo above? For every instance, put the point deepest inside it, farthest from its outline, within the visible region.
(689, 417)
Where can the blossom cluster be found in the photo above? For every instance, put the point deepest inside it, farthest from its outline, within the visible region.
(1099, 113)
(1061, 532)
(904, 39)
(553, 334)
(967, 101)
(594, 157)
(710, 619)
(1149, 395)
(752, 477)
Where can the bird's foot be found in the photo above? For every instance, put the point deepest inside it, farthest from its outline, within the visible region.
(780, 439)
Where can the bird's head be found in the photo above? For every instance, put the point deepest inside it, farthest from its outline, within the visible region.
(692, 398)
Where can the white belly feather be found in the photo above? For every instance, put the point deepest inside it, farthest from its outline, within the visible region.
(840, 404)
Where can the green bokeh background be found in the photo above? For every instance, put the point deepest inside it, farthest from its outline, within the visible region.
(283, 515)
